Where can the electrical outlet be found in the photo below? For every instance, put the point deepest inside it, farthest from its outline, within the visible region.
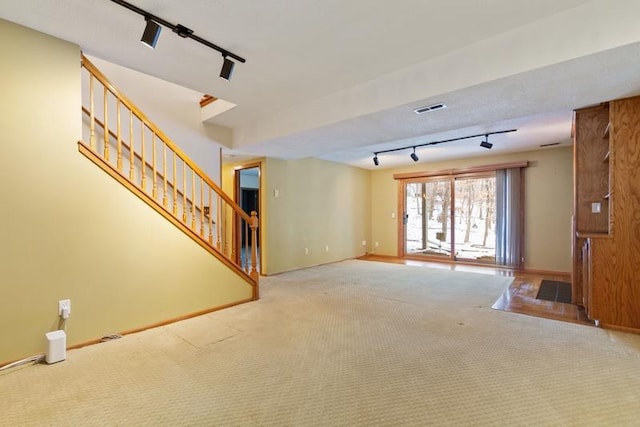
(64, 305)
(377, 244)
(364, 243)
(306, 251)
(326, 248)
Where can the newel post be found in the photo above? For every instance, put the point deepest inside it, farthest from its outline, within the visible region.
(254, 251)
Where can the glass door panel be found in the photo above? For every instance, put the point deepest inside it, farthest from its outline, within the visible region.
(428, 218)
(474, 225)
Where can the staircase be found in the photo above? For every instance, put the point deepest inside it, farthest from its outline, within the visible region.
(133, 150)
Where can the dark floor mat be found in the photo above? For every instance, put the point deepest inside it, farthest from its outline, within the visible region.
(552, 290)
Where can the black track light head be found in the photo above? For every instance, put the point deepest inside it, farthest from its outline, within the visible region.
(414, 156)
(227, 68)
(151, 33)
(486, 144)
(375, 160)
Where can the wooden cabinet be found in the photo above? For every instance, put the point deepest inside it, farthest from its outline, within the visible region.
(591, 158)
(592, 178)
(586, 275)
(606, 267)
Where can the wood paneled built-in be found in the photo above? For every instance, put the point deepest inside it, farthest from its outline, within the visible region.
(608, 266)
(592, 173)
(592, 169)
(615, 262)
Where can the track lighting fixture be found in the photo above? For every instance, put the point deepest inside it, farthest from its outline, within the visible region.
(152, 32)
(486, 144)
(227, 68)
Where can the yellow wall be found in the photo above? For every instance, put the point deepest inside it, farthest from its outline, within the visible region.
(319, 204)
(69, 230)
(322, 203)
(548, 205)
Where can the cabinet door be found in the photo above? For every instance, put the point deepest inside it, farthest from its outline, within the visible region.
(586, 275)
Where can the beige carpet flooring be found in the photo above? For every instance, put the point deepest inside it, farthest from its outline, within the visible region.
(351, 343)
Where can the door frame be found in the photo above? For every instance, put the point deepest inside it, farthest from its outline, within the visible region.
(402, 178)
(402, 199)
(237, 234)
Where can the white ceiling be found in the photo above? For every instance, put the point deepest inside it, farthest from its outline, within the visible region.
(338, 79)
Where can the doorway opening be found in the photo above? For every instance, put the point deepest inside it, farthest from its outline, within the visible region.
(247, 180)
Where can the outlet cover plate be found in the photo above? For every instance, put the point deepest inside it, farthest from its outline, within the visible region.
(64, 303)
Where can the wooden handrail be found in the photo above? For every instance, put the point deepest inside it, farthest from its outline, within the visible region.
(107, 167)
(232, 237)
(206, 100)
(152, 126)
(138, 156)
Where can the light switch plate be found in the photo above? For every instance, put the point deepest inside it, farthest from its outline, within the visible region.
(596, 207)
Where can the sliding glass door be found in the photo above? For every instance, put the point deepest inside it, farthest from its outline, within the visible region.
(475, 224)
(428, 218)
(451, 218)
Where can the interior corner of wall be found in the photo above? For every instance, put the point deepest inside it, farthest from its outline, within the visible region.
(221, 134)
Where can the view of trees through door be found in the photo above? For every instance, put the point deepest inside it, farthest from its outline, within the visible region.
(451, 218)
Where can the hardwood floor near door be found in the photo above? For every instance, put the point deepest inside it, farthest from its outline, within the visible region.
(519, 297)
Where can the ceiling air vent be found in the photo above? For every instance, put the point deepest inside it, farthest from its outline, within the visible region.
(429, 108)
(550, 145)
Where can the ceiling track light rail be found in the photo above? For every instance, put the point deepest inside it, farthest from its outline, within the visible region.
(152, 32)
(414, 156)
